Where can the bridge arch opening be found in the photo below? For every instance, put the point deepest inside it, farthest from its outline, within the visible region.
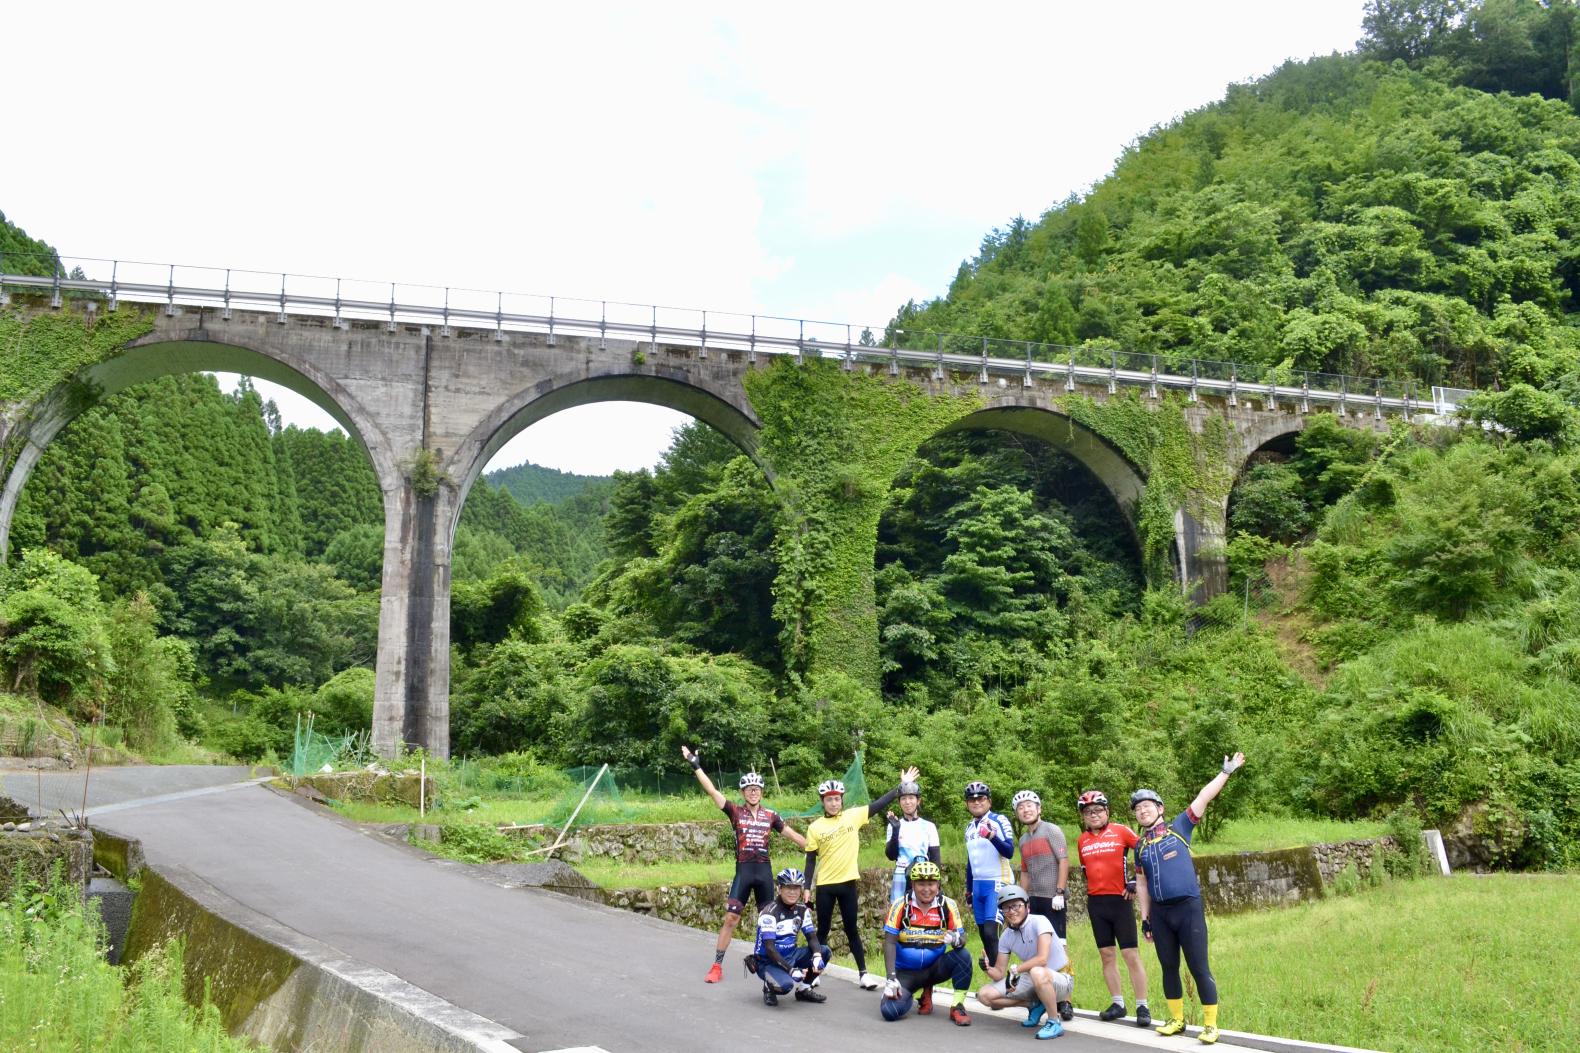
(671, 546)
(998, 538)
(152, 361)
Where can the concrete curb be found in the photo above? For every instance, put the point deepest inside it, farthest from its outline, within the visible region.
(1086, 1023)
(329, 1003)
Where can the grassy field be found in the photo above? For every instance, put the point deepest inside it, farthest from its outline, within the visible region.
(1436, 964)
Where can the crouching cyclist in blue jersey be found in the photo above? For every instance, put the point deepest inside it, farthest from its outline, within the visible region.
(990, 843)
(781, 963)
(924, 940)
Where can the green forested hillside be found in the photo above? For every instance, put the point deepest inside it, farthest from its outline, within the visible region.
(532, 484)
(1398, 641)
(1339, 215)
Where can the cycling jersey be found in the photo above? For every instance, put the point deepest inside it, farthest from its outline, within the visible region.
(782, 926)
(989, 844)
(912, 838)
(1022, 942)
(922, 933)
(836, 840)
(752, 830)
(1041, 849)
(1103, 855)
(1164, 857)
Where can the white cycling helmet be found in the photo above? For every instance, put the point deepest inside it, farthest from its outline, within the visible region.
(751, 778)
(1023, 796)
(828, 786)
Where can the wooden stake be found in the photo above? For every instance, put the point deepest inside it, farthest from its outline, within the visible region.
(422, 788)
(775, 769)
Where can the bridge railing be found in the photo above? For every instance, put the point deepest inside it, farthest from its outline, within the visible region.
(989, 359)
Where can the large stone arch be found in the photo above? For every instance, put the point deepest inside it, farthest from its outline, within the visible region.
(722, 409)
(1113, 471)
(151, 359)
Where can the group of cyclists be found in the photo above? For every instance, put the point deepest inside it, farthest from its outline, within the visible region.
(1020, 918)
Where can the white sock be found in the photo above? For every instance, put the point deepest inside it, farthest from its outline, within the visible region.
(1119, 1000)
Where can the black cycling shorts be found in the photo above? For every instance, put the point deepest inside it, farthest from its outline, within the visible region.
(1112, 918)
(751, 879)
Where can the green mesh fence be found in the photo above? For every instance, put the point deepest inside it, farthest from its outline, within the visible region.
(312, 750)
(855, 790)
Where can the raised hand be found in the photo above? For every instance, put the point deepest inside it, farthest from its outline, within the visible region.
(1233, 764)
(910, 774)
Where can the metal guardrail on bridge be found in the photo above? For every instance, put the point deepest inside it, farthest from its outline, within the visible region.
(175, 286)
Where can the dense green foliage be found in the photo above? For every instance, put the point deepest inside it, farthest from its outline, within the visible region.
(1338, 215)
(63, 996)
(1398, 641)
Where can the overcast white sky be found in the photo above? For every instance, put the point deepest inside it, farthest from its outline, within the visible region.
(816, 160)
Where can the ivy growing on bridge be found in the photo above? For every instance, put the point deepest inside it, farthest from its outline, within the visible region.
(1181, 467)
(835, 441)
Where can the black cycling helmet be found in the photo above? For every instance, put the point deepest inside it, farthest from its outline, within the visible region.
(976, 788)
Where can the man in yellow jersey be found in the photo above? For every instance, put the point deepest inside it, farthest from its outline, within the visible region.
(833, 840)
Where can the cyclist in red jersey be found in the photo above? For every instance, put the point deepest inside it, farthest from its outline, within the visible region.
(1110, 886)
(753, 825)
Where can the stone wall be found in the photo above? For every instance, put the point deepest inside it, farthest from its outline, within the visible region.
(1230, 884)
(39, 846)
(637, 842)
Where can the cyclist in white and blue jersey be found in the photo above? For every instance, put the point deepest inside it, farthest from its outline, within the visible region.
(990, 842)
(909, 838)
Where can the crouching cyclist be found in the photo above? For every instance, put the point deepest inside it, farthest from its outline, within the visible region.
(924, 939)
(1034, 979)
(781, 962)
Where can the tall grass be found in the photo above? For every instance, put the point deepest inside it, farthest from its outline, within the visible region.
(1436, 964)
(59, 995)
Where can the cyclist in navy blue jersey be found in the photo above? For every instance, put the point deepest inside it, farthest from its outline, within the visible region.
(782, 961)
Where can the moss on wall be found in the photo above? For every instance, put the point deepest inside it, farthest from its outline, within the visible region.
(1183, 468)
(239, 970)
(835, 441)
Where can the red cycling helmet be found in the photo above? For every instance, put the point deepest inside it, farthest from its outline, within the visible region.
(1089, 798)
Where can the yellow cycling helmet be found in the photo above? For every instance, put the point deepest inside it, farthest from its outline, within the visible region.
(925, 870)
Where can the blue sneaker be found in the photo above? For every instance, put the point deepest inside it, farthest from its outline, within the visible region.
(1052, 1029)
(1033, 1015)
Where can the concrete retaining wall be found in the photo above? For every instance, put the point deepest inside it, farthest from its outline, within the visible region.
(288, 991)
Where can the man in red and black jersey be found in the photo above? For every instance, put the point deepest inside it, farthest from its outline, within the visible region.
(754, 825)
(1103, 850)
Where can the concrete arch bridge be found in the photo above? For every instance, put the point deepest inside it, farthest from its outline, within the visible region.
(432, 388)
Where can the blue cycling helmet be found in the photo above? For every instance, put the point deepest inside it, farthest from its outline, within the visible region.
(790, 876)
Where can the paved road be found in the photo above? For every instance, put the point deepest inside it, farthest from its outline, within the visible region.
(562, 972)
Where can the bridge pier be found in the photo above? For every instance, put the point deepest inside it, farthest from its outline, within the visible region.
(411, 696)
(1200, 534)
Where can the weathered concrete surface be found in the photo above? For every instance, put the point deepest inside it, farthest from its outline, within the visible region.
(431, 406)
(406, 788)
(286, 990)
(38, 849)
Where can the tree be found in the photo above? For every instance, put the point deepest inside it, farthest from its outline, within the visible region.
(1407, 29)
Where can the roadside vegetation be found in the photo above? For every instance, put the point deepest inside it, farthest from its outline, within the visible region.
(60, 995)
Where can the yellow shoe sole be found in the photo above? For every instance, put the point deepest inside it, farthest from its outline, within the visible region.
(1173, 1027)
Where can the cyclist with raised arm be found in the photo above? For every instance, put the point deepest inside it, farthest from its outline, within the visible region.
(1044, 873)
(924, 941)
(833, 839)
(1035, 979)
(909, 838)
(989, 845)
(753, 825)
(1170, 895)
(1103, 850)
(783, 962)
